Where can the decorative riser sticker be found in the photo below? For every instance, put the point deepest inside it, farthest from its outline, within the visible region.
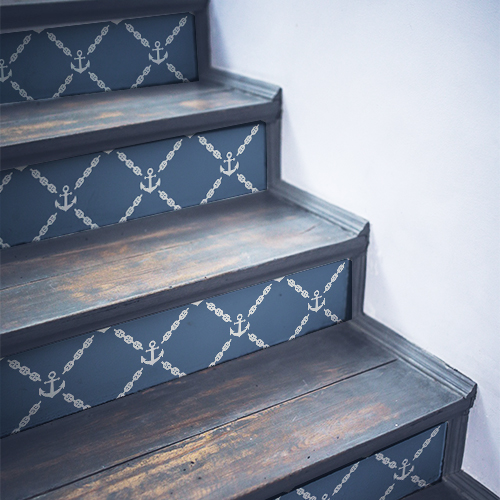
(66, 196)
(99, 57)
(61, 378)
(388, 475)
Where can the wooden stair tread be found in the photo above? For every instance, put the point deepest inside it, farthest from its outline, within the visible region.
(52, 129)
(89, 280)
(253, 427)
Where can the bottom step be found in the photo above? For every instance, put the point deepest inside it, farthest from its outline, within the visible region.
(255, 427)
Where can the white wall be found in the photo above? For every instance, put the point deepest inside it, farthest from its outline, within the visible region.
(391, 110)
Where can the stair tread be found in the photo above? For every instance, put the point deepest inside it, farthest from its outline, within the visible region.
(253, 427)
(52, 129)
(82, 282)
(18, 15)
(438, 491)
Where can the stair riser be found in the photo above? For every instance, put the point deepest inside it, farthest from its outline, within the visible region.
(114, 186)
(396, 471)
(100, 366)
(115, 55)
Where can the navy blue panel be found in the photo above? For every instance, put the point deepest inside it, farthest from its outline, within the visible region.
(132, 182)
(100, 366)
(97, 57)
(390, 474)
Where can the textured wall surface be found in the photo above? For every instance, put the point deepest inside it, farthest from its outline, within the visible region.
(391, 110)
(97, 57)
(61, 378)
(391, 473)
(66, 196)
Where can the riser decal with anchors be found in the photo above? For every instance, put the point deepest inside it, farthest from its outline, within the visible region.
(390, 474)
(61, 378)
(86, 192)
(98, 57)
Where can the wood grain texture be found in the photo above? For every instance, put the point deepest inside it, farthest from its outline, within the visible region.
(19, 15)
(89, 280)
(52, 129)
(270, 452)
(71, 448)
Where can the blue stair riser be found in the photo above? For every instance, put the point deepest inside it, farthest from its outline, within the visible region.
(390, 474)
(98, 57)
(66, 196)
(100, 366)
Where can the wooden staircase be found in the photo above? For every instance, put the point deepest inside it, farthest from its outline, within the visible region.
(265, 424)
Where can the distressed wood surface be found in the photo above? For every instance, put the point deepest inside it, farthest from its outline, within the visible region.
(274, 450)
(19, 15)
(51, 129)
(54, 454)
(86, 281)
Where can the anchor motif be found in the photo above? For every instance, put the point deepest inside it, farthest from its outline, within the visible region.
(51, 381)
(66, 193)
(153, 360)
(404, 474)
(229, 170)
(4, 78)
(80, 69)
(150, 176)
(158, 59)
(316, 297)
(240, 332)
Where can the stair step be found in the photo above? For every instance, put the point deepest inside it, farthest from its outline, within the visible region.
(254, 427)
(91, 280)
(19, 15)
(52, 129)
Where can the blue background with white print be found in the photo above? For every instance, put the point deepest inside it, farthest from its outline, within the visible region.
(38, 67)
(99, 366)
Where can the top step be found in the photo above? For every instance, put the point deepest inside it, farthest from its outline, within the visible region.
(21, 15)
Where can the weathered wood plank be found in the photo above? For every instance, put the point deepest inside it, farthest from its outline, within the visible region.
(51, 129)
(71, 448)
(272, 451)
(90, 280)
(19, 15)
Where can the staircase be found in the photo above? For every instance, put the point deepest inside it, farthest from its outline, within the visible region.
(177, 320)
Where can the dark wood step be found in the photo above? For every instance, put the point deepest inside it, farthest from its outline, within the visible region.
(61, 287)
(52, 129)
(20, 15)
(254, 427)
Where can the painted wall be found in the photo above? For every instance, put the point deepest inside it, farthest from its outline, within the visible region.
(391, 110)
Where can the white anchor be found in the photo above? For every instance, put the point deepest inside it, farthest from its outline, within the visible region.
(153, 360)
(240, 332)
(4, 78)
(150, 176)
(404, 474)
(51, 381)
(80, 69)
(66, 193)
(229, 170)
(316, 297)
(158, 59)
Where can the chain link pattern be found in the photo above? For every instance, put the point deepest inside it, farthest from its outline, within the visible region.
(386, 461)
(140, 78)
(332, 316)
(78, 354)
(259, 300)
(415, 479)
(21, 91)
(43, 181)
(24, 370)
(128, 339)
(225, 347)
(248, 140)
(3, 244)
(175, 32)
(175, 325)
(177, 74)
(59, 44)
(246, 183)
(129, 163)
(334, 277)
(170, 202)
(210, 147)
(172, 369)
(387, 492)
(45, 228)
(218, 312)
(86, 220)
(211, 191)
(305, 319)
(62, 88)
(100, 83)
(137, 35)
(170, 155)
(5, 180)
(98, 40)
(27, 418)
(19, 49)
(426, 443)
(305, 494)
(259, 342)
(135, 378)
(298, 288)
(130, 210)
(77, 403)
(87, 172)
